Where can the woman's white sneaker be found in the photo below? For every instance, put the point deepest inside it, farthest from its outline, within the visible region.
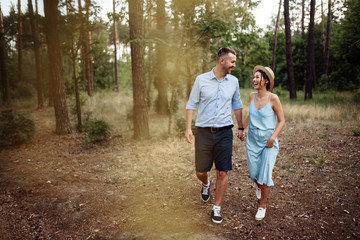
(260, 213)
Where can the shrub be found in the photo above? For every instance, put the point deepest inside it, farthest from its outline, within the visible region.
(356, 96)
(356, 131)
(15, 128)
(181, 126)
(98, 130)
(279, 91)
(23, 90)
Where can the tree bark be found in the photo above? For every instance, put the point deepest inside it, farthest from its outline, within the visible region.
(141, 125)
(302, 20)
(5, 86)
(273, 58)
(35, 36)
(115, 49)
(310, 63)
(56, 67)
(289, 58)
(20, 33)
(327, 45)
(161, 49)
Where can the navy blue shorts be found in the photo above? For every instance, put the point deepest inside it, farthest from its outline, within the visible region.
(213, 147)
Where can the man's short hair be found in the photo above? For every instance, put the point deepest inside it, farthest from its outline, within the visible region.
(223, 52)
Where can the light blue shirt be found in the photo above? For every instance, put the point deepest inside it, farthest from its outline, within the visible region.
(214, 99)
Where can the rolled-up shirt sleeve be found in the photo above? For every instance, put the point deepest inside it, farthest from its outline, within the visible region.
(194, 96)
(236, 102)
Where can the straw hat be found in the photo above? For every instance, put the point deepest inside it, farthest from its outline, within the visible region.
(269, 73)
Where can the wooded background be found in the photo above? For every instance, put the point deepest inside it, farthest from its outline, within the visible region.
(155, 48)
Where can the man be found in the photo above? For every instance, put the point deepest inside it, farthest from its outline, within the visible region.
(215, 93)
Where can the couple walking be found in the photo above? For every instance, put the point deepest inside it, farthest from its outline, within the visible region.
(215, 93)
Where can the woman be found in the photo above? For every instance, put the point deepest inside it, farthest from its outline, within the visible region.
(265, 121)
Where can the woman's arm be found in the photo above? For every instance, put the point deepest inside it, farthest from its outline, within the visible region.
(247, 120)
(277, 107)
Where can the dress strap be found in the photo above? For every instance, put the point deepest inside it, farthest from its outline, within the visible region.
(270, 96)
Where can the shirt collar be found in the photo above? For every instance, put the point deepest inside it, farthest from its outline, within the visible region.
(212, 75)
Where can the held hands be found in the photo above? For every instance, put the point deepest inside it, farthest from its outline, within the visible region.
(189, 136)
(270, 142)
(241, 135)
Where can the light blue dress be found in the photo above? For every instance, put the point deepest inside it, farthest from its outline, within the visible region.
(261, 160)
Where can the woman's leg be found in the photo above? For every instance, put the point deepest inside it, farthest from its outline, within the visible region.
(265, 191)
(257, 183)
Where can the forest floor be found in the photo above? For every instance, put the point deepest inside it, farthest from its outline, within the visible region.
(58, 187)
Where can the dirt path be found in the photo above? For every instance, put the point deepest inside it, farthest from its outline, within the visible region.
(59, 188)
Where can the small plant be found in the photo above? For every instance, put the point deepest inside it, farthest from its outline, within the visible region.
(23, 90)
(114, 179)
(15, 128)
(278, 91)
(356, 96)
(181, 126)
(356, 131)
(98, 130)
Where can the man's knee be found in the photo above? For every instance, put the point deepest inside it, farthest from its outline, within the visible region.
(201, 174)
(221, 174)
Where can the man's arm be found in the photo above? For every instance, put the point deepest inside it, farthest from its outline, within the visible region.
(188, 132)
(238, 115)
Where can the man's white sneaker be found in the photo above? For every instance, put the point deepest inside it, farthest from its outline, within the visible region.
(258, 192)
(216, 215)
(260, 213)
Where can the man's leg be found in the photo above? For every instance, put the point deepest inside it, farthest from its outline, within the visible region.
(205, 189)
(203, 177)
(221, 185)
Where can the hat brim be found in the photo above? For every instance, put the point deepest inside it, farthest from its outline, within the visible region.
(269, 73)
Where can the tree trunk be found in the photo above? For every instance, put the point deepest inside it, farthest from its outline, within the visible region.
(189, 82)
(20, 30)
(88, 57)
(150, 62)
(35, 36)
(77, 95)
(82, 41)
(322, 31)
(189, 15)
(289, 58)
(141, 125)
(56, 67)
(5, 88)
(115, 49)
(73, 53)
(161, 49)
(206, 43)
(51, 96)
(302, 20)
(273, 58)
(310, 63)
(327, 46)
